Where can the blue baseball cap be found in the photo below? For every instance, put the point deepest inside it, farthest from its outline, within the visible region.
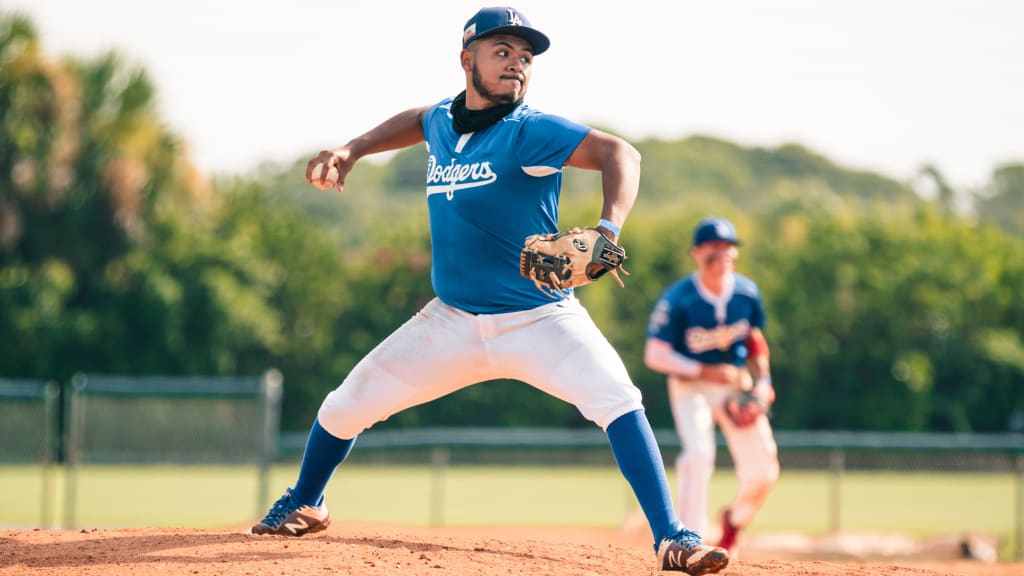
(714, 228)
(503, 20)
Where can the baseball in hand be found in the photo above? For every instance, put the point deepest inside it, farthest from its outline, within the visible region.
(322, 181)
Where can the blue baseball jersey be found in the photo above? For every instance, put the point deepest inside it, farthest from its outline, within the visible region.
(705, 327)
(486, 192)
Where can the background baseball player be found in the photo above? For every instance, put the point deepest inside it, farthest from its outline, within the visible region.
(493, 178)
(705, 332)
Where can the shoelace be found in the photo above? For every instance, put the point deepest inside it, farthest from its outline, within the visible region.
(282, 508)
(687, 538)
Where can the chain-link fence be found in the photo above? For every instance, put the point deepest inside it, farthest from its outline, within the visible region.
(28, 426)
(180, 420)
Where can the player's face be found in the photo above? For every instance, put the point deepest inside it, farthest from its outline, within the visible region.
(717, 257)
(500, 67)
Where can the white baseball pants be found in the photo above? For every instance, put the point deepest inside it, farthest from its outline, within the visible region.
(556, 348)
(696, 408)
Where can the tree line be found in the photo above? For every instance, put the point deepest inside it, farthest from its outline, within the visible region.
(887, 310)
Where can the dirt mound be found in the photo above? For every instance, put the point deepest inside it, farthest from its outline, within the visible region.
(365, 550)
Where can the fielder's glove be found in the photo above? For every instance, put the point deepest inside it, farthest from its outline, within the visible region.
(570, 259)
(746, 406)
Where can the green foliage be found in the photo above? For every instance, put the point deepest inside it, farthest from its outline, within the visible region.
(755, 178)
(1002, 202)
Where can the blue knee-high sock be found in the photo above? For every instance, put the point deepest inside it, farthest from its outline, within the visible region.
(639, 459)
(324, 453)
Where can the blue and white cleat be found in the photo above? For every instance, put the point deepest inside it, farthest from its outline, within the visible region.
(289, 518)
(685, 551)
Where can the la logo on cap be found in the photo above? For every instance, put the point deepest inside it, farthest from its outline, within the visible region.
(503, 20)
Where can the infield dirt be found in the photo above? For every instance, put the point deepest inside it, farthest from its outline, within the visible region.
(365, 550)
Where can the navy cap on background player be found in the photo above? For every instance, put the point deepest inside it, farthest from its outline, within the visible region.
(714, 228)
(503, 20)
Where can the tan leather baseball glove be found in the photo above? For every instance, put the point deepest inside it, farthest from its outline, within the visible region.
(570, 259)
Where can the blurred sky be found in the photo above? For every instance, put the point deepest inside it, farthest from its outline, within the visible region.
(882, 85)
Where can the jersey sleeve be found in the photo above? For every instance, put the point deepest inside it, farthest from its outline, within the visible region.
(429, 117)
(757, 315)
(749, 291)
(663, 321)
(548, 140)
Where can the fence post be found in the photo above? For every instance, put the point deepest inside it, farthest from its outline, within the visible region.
(75, 414)
(50, 397)
(836, 463)
(271, 398)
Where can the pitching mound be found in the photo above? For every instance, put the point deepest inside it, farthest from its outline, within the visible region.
(365, 550)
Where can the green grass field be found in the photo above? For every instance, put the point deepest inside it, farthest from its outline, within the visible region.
(131, 496)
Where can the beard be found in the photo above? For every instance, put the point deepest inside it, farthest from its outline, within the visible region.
(478, 85)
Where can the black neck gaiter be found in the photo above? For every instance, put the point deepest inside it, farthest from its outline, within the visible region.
(465, 120)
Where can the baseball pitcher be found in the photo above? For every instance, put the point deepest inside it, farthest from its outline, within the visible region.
(504, 278)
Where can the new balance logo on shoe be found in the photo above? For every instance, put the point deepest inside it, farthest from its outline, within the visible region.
(674, 560)
(299, 524)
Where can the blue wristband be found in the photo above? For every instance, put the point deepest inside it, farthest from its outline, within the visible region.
(610, 226)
